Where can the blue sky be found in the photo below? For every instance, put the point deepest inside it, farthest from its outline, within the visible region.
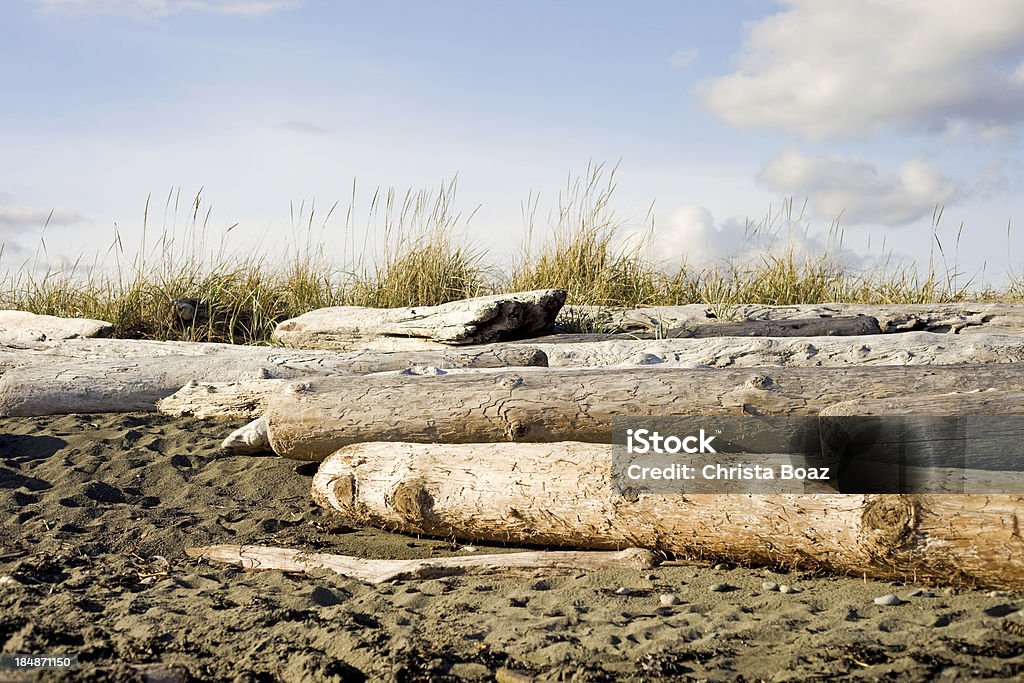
(713, 111)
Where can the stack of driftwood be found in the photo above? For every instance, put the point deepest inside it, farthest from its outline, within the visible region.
(464, 421)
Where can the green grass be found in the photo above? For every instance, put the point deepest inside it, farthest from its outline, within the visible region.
(426, 258)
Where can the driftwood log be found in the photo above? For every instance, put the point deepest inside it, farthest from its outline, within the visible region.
(964, 317)
(136, 384)
(579, 405)
(560, 494)
(22, 326)
(470, 321)
(911, 348)
(839, 326)
(991, 402)
(382, 571)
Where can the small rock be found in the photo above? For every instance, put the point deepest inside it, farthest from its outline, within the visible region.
(7, 580)
(941, 621)
(769, 586)
(790, 589)
(998, 594)
(721, 566)
(920, 593)
(469, 671)
(668, 600)
(651, 577)
(541, 585)
(720, 588)
(889, 600)
(851, 615)
(622, 590)
(469, 548)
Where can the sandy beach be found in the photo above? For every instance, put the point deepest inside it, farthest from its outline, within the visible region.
(98, 510)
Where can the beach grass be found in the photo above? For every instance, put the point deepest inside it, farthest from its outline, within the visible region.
(425, 257)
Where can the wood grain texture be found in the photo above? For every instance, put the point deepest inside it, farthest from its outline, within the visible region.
(560, 494)
(579, 405)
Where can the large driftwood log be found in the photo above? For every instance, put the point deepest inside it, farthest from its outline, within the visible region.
(578, 405)
(136, 384)
(911, 348)
(1007, 318)
(560, 494)
(311, 361)
(249, 399)
(839, 326)
(382, 571)
(471, 321)
(22, 326)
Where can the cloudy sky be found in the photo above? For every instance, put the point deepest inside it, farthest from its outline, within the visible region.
(875, 110)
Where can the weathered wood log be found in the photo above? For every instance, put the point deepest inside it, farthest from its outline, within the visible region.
(578, 405)
(301, 360)
(963, 317)
(561, 495)
(136, 384)
(221, 399)
(911, 348)
(990, 402)
(838, 326)
(470, 321)
(382, 571)
(22, 326)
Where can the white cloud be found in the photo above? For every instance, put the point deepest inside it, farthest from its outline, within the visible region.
(683, 58)
(857, 189)
(690, 236)
(163, 8)
(15, 218)
(849, 67)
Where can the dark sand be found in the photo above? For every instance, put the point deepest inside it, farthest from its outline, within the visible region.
(97, 511)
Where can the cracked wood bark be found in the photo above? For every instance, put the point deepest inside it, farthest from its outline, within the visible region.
(136, 384)
(470, 321)
(382, 571)
(910, 348)
(560, 494)
(842, 326)
(578, 405)
(965, 317)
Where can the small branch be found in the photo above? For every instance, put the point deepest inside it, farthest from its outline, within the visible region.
(381, 571)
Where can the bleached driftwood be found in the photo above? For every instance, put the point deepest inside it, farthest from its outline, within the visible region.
(249, 439)
(470, 321)
(561, 494)
(839, 326)
(221, 399)
(302, 360)
(382, 571)
(1006, 318)
(22, 326)
(578, 405)
(138, 383)
(911, 348)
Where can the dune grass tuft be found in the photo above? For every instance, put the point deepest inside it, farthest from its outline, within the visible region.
(182, 287)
